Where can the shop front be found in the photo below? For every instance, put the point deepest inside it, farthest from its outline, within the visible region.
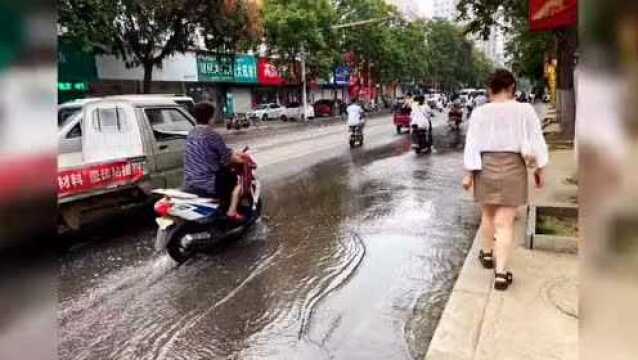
(277, 83)
(227, 79)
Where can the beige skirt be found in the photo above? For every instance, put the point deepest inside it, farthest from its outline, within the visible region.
(502, 180)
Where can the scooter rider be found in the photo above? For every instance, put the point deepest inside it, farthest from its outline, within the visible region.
(356, 115)
(207, 161)
(421, 114)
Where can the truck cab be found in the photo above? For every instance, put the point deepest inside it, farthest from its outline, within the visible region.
(125, 146)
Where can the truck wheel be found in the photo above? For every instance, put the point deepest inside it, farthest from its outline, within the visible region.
(284, 118)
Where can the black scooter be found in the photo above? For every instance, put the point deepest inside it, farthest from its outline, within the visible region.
(421, 139)
(356, 136)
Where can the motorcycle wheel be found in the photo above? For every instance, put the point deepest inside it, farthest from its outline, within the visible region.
(398, 129)
(229, 126)
(352, 143)
(174, 246)
(237, 126)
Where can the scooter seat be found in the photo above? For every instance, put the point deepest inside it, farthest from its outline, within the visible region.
(178, 194)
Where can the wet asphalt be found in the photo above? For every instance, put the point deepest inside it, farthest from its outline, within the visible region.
(354, 259)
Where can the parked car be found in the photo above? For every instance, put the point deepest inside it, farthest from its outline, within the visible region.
(266, 112)
(295, 111)
(128, 146)
(324, 108)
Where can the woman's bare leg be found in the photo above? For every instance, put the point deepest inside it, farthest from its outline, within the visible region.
(487, 227)
(504, 223)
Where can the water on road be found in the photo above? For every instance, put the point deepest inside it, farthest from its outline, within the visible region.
(355, 259)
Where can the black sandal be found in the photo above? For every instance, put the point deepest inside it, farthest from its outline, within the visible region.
(503, 280)
(487, 259)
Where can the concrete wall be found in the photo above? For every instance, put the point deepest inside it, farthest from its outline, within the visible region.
(243, 99)
(180, 67)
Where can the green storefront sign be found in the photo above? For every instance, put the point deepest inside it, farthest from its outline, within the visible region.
(212, 68)
(76, 70)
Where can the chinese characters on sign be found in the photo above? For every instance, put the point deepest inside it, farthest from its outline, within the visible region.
(220, 69)
(548, 15)
(100, 176)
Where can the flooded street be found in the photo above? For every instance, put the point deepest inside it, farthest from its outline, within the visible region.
(355, 259)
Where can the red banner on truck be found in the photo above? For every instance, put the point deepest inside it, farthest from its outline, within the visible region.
(545, 15)
(99, 177)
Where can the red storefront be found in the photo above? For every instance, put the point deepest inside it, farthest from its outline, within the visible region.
(278, 83)
(546, 15)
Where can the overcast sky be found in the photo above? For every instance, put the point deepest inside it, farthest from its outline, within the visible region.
(421, 8)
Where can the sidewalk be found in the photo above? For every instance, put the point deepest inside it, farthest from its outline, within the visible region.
(537, 317)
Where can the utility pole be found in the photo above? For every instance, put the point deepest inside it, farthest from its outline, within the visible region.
(304, 95)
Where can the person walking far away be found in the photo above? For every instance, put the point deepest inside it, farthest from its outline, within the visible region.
(504, 139)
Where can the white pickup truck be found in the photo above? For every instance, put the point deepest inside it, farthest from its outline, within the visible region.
(114, 152)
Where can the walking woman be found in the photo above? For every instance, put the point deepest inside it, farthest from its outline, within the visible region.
(503, 140)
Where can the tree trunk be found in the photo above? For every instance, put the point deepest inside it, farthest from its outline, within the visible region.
(567, 45)
(148, 77)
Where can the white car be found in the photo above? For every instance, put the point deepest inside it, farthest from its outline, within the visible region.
(267, 112)
(295, 111)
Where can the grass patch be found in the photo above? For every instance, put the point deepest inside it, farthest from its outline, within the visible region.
(554, 225)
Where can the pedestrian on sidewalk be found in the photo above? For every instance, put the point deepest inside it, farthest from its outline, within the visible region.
(503, 141)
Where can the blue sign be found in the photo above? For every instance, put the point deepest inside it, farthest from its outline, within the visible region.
(342, 75)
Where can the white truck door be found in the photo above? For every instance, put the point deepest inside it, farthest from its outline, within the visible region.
(109, 132)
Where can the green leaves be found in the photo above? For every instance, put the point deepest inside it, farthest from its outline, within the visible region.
(526, 49)
(145, 32)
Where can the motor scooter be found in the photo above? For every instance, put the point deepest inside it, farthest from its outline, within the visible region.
(188, 223)
(237, 122)
(421, 139)
(356, 135)
(455, 118)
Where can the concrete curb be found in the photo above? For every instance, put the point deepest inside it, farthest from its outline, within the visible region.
(458, 333)
(536, 319)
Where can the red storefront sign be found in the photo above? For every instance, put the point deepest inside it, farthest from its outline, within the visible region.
(547, 15)
(269, 74)
(99, 176)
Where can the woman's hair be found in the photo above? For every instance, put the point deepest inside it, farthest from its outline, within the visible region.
(501, 80)
(203, 112)
(420, 99)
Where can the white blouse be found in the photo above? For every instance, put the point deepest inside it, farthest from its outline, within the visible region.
(504, 126)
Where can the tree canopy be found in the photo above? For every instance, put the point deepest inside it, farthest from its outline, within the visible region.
(145, 32)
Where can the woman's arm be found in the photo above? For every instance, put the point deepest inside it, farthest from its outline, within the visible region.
(472, 153)
(536, 138)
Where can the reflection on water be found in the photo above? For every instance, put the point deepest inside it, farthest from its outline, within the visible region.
(355, 260)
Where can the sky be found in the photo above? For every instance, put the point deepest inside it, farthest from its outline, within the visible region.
(420, 8)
